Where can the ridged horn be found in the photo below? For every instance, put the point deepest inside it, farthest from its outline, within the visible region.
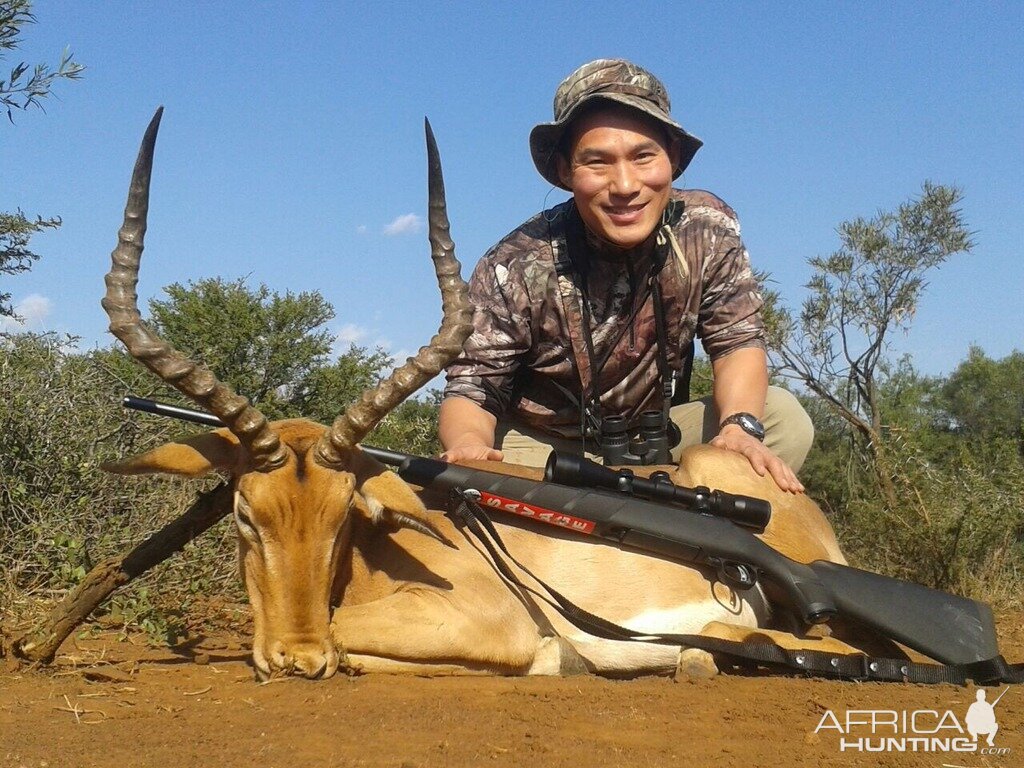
(361, 417)
(191, 379)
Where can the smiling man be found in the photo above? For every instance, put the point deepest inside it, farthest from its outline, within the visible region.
(589, 310)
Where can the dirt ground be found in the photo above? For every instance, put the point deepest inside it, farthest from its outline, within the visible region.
(111, 702)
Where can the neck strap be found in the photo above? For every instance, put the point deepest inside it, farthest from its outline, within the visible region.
(575, 264)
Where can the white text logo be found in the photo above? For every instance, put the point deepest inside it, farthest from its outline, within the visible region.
(919, 730)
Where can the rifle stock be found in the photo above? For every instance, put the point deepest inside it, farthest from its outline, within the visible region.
(948, 628)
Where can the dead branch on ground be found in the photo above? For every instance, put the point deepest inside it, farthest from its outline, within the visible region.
(40, 644)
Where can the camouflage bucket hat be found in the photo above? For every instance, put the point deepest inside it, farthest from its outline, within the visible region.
(613, 80)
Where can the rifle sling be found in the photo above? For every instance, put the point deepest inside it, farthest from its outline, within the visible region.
(740, 654)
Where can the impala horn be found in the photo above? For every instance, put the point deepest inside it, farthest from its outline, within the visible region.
(361, 417)
(192, 379)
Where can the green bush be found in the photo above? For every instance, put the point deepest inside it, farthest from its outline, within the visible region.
(958, 525)
(60, 418)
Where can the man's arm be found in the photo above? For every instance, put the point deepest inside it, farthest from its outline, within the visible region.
(741, 386)
(480, 381)
(732, 332)
(466, 431)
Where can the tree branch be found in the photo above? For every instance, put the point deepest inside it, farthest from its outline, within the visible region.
(41, 643)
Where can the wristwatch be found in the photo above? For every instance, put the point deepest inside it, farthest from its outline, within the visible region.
(748, 423)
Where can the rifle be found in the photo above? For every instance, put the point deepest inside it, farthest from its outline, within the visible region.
(950, 629)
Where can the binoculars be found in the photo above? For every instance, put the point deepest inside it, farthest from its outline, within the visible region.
(651, 444)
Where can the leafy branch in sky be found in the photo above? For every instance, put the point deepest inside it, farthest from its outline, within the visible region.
(28, 85)
(15, 231)
(20, 91)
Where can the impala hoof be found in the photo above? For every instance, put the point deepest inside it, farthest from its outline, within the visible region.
(557, 656)
(695, 664)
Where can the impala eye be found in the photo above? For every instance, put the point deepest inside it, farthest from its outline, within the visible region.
(244, 520)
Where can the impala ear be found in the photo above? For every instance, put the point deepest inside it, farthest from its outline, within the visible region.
(193, 457)
(389, 499)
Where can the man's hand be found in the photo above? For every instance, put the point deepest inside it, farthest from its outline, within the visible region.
(733, 438)
(466, 431)
(471, 453)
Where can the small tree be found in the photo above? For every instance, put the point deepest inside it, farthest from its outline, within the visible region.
(860, 295)
(984, 398)
(329, 389)
(263, 344)
(275, 349)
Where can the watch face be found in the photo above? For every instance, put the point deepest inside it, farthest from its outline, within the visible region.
(748, 424)
(751, 426)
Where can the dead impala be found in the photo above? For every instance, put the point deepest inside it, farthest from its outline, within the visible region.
(343, 562)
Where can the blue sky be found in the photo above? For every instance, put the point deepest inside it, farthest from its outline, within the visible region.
(291, 150)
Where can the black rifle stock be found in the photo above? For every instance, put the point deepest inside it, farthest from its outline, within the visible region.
(947, 628)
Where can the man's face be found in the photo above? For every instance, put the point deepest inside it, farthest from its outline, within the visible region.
(620, 172)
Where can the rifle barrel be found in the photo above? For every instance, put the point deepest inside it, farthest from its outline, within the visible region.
(173, 411)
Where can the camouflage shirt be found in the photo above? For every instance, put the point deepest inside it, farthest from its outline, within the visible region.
(527, 358)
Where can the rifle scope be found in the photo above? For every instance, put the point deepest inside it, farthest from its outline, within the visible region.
(580, 472)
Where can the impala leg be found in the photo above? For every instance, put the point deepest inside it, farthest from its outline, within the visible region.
(558, 656)
(432, 628)
(695, 664)
(817, 639)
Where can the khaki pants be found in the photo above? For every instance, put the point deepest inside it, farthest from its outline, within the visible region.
(787, 427)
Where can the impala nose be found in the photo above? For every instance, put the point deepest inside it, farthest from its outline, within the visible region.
(311, 660)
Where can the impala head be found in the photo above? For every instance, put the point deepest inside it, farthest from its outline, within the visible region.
(299, 486)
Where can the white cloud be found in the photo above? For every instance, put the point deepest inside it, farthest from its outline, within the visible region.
(403, 225)
(350, 334)
(33, 310)
(361, 229)
(371, 340)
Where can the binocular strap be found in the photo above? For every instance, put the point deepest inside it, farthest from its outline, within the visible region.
(466, 511)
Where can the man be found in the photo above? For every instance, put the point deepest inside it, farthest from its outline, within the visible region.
(572, 304)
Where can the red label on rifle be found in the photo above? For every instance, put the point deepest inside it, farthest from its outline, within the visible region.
(536, 513)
